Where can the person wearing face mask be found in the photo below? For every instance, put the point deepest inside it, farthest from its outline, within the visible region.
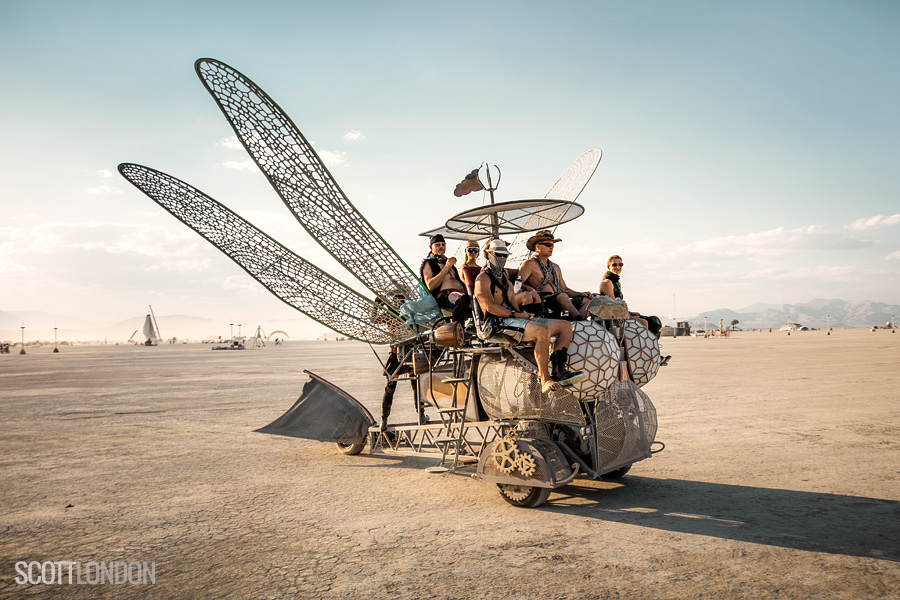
(526, 297)
(502, 315)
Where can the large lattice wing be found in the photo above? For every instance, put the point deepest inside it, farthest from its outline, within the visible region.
(568, 187)
(301, 179)
(294, 280)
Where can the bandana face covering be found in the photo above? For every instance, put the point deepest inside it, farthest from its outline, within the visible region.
(496, 263)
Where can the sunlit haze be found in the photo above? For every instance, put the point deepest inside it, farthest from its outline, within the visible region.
(749, 149)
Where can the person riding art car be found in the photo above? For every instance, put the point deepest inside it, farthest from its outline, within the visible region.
(488, 401)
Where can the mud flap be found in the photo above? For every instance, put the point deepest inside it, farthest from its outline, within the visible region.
(323, 412)
(533, 462)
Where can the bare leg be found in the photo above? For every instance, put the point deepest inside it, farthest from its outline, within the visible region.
(540, 335)
(563, 332)
(566, 303)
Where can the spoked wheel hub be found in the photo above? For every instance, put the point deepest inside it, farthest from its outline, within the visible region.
(525, 496)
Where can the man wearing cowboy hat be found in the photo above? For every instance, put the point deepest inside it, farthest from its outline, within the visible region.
(502, 315)
(546, 277)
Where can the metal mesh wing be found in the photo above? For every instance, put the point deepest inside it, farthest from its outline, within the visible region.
(297, 282)
(301, 179)
(568, 187)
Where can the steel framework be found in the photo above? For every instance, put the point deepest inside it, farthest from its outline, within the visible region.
(294, 280)
(304, 184)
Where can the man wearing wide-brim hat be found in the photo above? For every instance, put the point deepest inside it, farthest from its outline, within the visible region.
(546, 277)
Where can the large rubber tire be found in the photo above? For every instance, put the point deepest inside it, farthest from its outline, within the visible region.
(617, 474)
(350, 449)
(524, 496)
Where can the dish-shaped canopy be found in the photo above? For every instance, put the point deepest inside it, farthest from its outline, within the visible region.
(517, 216)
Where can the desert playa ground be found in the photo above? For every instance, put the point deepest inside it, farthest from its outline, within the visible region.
(780, 479)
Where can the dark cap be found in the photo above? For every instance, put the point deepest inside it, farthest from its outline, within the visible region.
(435, 239)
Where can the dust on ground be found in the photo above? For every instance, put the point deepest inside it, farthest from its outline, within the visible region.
(780, 479)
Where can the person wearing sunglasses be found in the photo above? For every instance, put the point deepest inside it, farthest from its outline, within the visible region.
(545, 276)
(612, 286)
(527, 298)
(471, 268)
(442, 279)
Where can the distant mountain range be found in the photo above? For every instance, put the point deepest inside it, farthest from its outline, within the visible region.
(39, 325)
(812, 314)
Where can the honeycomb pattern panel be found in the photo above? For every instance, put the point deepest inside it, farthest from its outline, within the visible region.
(642, 352)
(593, 350)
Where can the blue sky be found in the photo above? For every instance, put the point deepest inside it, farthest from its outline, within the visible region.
(749, 149)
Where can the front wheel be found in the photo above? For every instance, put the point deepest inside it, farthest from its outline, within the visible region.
(524, 496)
(350, 449)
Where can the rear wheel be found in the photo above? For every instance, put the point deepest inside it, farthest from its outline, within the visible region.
(350, 449)
(617, 473)
(525, 496)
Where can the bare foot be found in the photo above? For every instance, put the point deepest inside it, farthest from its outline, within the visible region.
(550, 386)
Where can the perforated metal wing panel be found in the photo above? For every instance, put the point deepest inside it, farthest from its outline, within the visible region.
(627, 414)
(510, 392)
(292, 279)
(567, 187)
(304, 183)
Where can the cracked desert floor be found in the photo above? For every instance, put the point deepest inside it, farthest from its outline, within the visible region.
(780, 479)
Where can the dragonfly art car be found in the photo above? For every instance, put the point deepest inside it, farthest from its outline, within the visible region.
(479, 401)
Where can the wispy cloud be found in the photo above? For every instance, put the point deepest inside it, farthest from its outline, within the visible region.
(813, 273)
(775, 241)
(240, 165)
(332, 159)
(354, 135)
(232, 143)
(875, 222)
(102, 190)
(895, 255)
(111, 238)
(105, 173)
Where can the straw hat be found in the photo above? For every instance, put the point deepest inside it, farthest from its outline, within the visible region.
(540, 236)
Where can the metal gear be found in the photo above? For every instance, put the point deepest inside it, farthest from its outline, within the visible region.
(504, 455)
(526, 464)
